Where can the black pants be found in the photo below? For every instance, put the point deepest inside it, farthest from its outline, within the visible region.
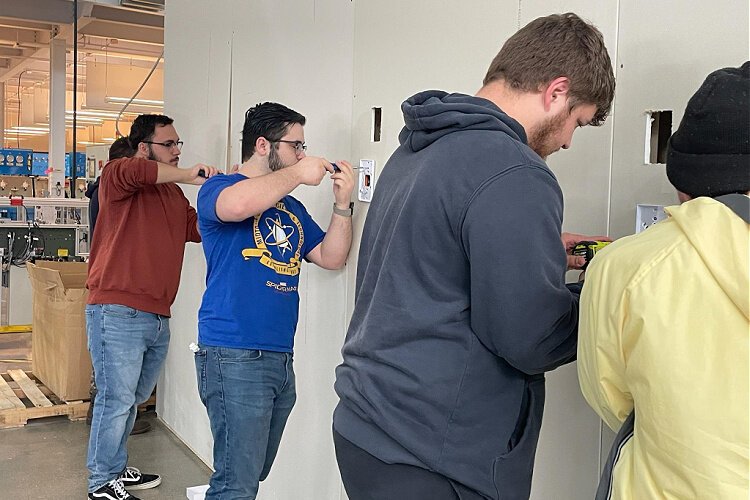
(367, 478)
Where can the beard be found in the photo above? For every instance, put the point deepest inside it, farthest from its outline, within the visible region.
(541, 138)
(274, 161)
(152, 156)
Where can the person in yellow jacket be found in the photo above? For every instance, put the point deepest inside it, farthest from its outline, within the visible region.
(664, 322)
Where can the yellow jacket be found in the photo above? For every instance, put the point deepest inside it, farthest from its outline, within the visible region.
(665, 328)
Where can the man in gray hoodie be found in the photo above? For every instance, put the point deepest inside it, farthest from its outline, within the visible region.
(461, 301)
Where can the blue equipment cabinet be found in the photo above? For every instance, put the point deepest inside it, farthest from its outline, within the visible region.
(15, 161)
(39, 164)
(80, 164)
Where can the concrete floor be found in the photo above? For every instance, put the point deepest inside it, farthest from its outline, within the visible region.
(46, 460)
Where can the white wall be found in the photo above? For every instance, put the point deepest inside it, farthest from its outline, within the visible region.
(666, 51)
(333, 61)
(401, 48)
(196, 89)
(299, 54)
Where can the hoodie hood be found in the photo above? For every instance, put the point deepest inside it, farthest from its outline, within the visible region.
(722, 239)
(432, 114)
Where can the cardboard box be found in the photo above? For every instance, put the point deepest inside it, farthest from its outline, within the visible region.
(59, 356)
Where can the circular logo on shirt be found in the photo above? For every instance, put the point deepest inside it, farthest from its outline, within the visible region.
(280, 230)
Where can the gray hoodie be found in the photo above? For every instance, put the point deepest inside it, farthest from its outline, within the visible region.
(461, 302)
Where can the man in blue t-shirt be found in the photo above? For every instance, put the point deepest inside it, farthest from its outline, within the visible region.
(255, 236)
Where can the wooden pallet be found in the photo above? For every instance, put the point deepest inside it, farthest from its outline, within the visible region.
(23, 397)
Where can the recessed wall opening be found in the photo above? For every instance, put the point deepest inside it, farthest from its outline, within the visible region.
(377, 114)
(658, 131)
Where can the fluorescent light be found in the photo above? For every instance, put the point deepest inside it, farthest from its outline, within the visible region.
(92, 114)
(137, 102)
(30, 129)
(79, 116)
(89, 143)
(36, 130)
(112, 52)
(84, 119)
(24, 132)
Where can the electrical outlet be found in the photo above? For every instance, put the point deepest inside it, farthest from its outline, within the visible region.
(366, 180)
(648, 215)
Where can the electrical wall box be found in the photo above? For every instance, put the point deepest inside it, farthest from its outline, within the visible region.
(648, 215)
(658, 131)
(366, 180)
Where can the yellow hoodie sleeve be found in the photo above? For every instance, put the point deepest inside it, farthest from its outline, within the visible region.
(601, 359)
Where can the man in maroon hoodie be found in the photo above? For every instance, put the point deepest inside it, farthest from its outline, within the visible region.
(134, 271)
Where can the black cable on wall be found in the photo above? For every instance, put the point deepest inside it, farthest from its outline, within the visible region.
(73, 159)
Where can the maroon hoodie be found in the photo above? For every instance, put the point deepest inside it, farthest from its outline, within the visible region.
(136, 257)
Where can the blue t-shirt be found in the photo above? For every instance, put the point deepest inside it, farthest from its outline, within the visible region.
(251, 298)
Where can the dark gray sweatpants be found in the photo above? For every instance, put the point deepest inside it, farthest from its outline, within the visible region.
(367, 478)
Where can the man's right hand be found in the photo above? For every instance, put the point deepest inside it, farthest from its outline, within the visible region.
(311, 170)
(194, 174)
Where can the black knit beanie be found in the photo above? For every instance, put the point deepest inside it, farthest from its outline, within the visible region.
(709, 154)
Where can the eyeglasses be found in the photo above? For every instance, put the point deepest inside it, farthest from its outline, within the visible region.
(168, 144)
(299, 146)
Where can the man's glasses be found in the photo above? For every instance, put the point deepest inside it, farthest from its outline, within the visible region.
(299, 146)
(168, 144)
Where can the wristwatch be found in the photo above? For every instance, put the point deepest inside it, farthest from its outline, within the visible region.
(344, 212)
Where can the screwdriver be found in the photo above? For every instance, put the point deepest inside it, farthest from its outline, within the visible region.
(337, 169)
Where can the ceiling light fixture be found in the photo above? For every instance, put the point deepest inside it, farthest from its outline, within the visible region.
(18, 131)
(87, 120)
(137, 102)
(30, 129)
(93, 114)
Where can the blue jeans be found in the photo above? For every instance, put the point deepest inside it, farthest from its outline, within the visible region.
(248, 395)
(128, 348)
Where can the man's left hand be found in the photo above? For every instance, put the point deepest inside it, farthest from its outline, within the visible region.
(343, 184)
(570, 240)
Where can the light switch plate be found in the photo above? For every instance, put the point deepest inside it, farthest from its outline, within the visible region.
(366, 180)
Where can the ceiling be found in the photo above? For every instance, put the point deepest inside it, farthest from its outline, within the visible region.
(108, 33)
